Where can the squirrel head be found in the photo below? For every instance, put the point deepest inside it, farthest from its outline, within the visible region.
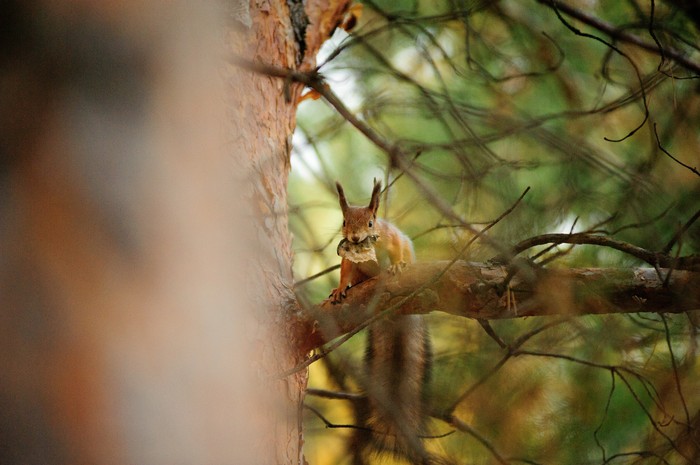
(359, 222)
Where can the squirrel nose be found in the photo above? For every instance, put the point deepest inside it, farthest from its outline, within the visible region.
(355, 238)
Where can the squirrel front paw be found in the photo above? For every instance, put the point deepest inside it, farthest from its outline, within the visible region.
(397, 268)
(337, 295)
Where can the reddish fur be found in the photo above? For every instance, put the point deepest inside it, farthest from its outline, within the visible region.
(391, 242)
(398, 352)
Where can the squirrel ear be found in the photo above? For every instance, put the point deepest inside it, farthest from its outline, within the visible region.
(374, 201)
(341, 197)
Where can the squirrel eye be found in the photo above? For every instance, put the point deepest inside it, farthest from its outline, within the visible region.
(343, 223)
(370, 223)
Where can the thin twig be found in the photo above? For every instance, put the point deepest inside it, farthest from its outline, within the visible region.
(326, 394)
(622, 36)
(605, 415)
(676, 376)
(317, 275)
(451, 419)
(620, 372)
(658, 142)
(689, 262)
(515, 345)
(330, 424)
(578, 32)
(679, 234)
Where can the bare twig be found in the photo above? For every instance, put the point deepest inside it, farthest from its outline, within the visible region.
(329, 424)
(690, 262)
(451, 419)
(511, 348)
(676, 376)
(335, 394)
(679, 234)
(317, 275)
(605, 415)
(622, 36)
(658, 142)
(555, 6)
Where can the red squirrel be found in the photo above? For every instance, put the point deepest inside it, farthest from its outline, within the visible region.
(360, 224)
(398, 357)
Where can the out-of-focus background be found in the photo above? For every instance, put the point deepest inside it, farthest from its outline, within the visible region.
(124, 328)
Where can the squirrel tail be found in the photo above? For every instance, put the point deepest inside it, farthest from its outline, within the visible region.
(398, 362)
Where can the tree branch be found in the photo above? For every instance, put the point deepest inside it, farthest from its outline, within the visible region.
(472, 290)
(658, 143)
(622, 36)
(690, 262)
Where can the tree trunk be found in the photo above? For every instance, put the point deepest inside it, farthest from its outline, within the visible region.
(286, 35)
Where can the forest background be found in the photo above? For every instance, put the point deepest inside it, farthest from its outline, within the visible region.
(490, 102)
(542, 155)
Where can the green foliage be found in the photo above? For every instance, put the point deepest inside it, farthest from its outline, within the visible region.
(485, 99)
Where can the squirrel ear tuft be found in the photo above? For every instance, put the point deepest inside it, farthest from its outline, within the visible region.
(341, 197)
(374, 201)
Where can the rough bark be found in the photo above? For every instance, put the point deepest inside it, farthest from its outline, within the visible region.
(287, 35)
(476, 290)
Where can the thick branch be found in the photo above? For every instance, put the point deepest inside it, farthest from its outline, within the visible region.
(475, 290)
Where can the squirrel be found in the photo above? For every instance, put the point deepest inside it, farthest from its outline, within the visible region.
(398, 355)
(361, 224)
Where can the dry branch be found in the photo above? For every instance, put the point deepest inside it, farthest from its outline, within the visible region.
(475, 290)
(619, 34)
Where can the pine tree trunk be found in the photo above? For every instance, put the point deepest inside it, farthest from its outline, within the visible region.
(282, 35)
